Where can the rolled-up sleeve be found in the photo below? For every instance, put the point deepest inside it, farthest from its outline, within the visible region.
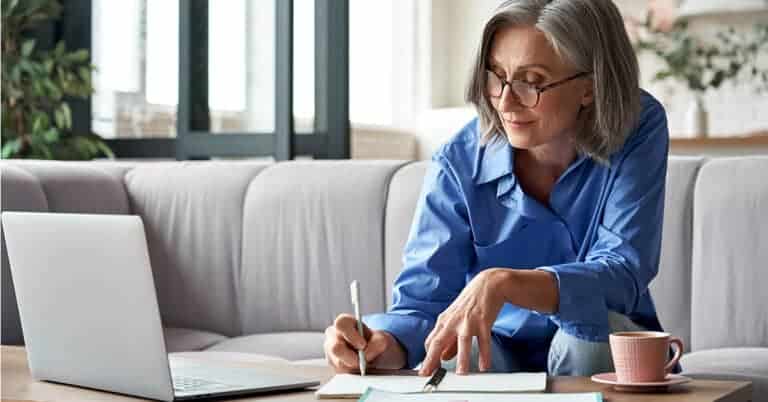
(623, 256)
(436, 259)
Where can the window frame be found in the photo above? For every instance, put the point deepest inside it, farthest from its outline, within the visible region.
(330, 138)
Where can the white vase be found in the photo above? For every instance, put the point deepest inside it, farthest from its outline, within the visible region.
(696, 118)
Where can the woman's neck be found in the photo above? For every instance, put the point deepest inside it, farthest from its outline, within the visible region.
(553, 158)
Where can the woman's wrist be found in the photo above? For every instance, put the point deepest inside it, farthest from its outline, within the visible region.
(505, 282)
(532, 289)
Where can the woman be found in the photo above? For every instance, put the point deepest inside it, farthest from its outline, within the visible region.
(538, 228)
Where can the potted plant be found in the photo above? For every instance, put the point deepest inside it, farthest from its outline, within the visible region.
(36, 85)
(702, 65)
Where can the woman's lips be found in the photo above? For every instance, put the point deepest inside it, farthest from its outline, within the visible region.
(519, 123)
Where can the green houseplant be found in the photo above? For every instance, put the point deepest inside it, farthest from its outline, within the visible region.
(36, 86)
(702, 65)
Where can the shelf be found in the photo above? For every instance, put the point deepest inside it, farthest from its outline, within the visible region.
(754, 139)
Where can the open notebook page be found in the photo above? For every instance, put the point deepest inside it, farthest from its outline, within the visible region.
(374, 395)
(353, 385)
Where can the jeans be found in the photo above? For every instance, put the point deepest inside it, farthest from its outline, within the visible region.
(568, 355)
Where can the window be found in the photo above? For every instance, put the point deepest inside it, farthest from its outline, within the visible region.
(184, 71)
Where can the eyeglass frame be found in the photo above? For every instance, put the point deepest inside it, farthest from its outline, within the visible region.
(539, 89)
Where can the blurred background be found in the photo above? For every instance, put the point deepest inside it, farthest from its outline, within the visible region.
(285, 79)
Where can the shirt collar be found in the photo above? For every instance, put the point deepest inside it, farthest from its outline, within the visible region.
(493, 160)
(496, 159)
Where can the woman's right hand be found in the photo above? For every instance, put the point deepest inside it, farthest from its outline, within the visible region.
(342, 341)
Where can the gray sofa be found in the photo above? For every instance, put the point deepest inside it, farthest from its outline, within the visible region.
(256, 257)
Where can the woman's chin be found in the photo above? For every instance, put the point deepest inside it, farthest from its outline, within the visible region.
(521, 139)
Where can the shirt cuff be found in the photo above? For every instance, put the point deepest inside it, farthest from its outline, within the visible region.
(582, 311)
(410, 331)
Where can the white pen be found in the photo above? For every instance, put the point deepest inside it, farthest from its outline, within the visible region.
(354, 291)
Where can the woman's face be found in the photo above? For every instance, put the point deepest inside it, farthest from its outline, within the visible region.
(523, 53)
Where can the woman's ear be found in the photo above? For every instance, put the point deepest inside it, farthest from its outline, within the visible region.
(589, 93)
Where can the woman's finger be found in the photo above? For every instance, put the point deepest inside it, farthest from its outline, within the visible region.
(484, 346)
(376, 346)
(464, 343)
(342, 367)
(449, 352)
(346, 327)
(432, 361)
(341, 351)
(436, 330)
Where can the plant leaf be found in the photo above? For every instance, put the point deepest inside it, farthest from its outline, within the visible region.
(67, 114)
(104, 148)
(11, 148)
(80, 55)
(51, 136)
(58, 117)
(27, 47)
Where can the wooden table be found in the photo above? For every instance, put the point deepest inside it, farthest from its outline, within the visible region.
(17, 385)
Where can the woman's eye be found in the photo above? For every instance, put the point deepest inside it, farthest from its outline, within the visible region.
(533, 78)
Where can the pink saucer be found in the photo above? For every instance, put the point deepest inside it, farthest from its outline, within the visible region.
(610, 378)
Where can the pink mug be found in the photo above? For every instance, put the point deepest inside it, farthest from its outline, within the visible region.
(642, 356)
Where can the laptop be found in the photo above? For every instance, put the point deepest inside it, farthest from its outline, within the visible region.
(90, 316)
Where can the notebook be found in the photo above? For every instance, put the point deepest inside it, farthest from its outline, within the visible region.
(375, 395)
(354, 385)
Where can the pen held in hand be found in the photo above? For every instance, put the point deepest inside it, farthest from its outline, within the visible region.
(355, 295)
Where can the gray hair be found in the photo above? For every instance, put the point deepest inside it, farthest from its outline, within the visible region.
(588, 34)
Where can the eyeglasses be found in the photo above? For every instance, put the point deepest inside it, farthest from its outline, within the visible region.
(527, 94)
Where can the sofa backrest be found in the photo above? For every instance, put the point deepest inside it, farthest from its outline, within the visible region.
(236, 247)
(246, 247)
(404, 191)
(730, 254)
(671, 289)
(309, 229)
(193, 219)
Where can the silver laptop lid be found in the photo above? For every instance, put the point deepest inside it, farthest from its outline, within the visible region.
(87, 301)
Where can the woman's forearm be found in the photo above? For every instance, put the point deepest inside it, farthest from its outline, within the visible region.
(527, 288)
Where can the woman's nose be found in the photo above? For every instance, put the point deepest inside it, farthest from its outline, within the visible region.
(508, 101)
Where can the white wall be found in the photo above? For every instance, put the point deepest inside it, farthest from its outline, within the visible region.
(456, 29)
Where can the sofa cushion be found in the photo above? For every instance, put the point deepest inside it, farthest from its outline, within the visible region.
(404, 190)
(730, 235)
(309, 229)
(79, 187)
(288, 345)
(738, 364)
(671, 289)
(20, 191)
(185, 339)
(192, 213)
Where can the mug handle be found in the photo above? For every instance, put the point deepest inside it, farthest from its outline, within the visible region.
(678, 353)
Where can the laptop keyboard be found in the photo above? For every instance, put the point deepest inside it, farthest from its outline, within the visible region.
(192, 384)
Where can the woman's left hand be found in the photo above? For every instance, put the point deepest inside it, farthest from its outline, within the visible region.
(472, 314)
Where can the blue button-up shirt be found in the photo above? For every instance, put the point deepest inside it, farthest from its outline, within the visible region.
(600, 236)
